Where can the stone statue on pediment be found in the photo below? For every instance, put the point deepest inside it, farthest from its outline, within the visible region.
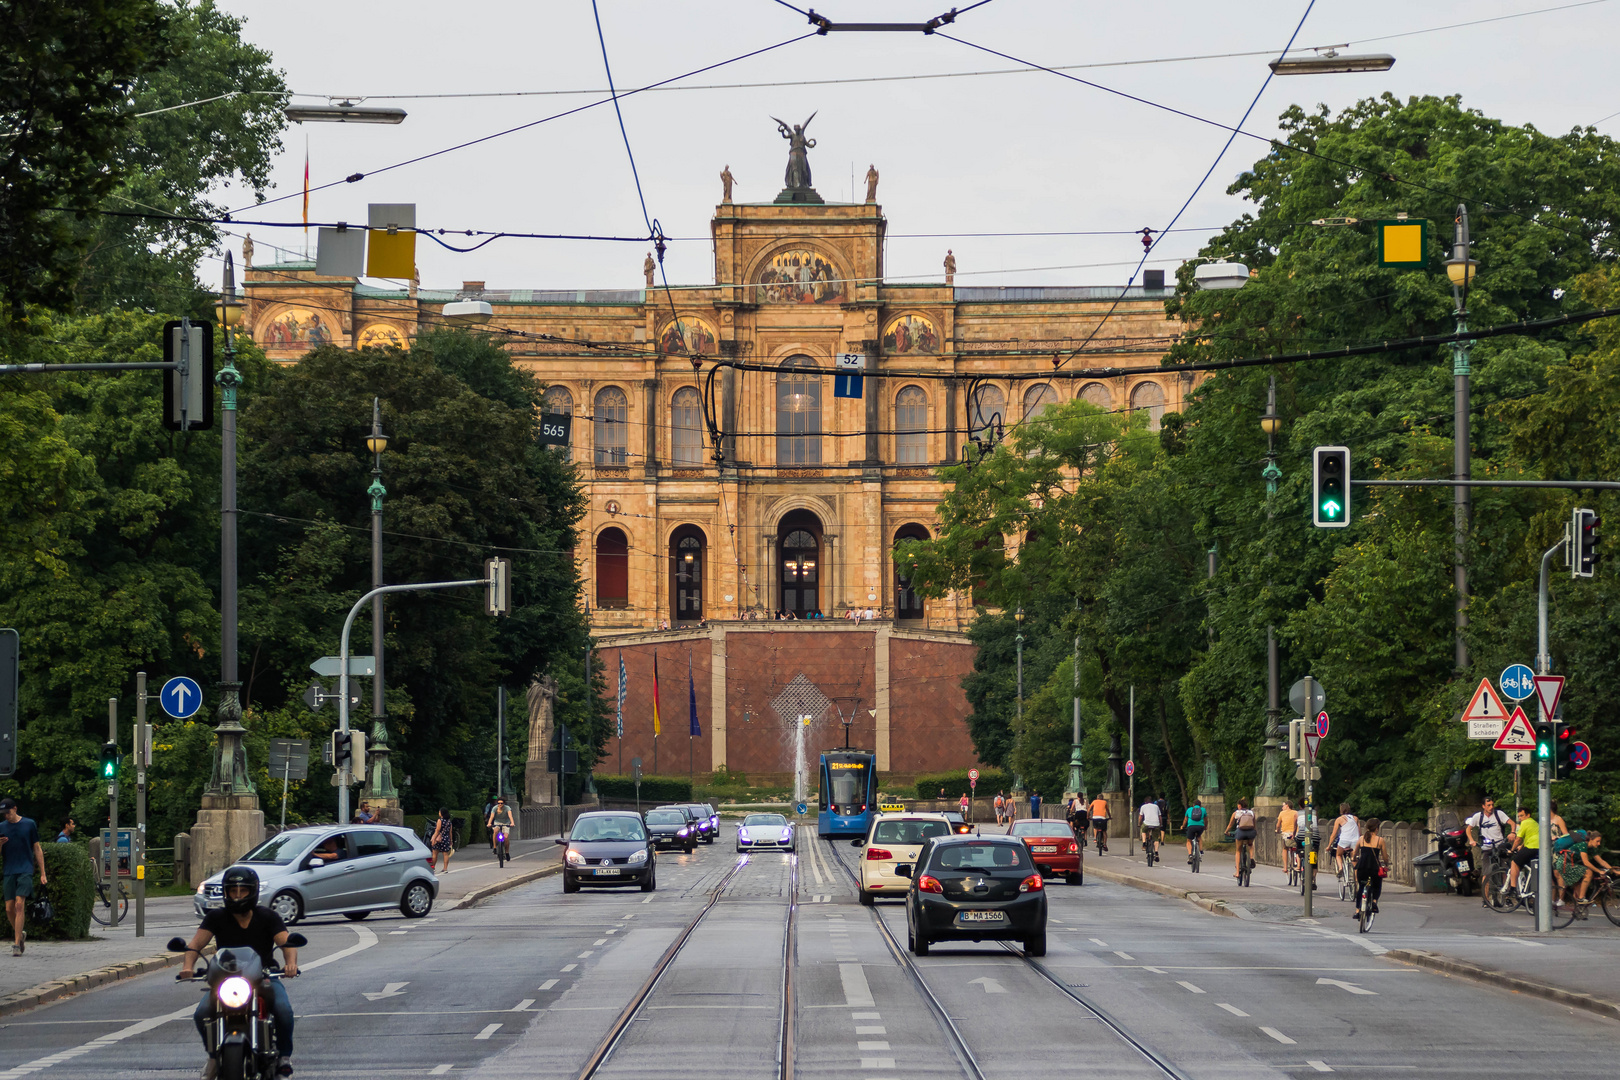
(796, 178)
(726, 180)
(871, 183)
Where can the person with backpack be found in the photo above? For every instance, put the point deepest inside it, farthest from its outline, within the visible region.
(1195, 821)
(1489, 832)
(1241, 825)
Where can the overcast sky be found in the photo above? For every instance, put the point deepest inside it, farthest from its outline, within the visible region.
(976, 154)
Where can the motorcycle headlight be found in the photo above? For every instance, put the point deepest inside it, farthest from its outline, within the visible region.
(638, 856)
(234, 992)
(573, 858)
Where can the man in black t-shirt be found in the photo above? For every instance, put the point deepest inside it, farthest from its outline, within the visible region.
(243, 924)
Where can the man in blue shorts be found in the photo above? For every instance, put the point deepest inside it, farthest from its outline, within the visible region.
(19, 854)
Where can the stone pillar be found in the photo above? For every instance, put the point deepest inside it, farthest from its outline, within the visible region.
(717, 697)
(880, 683)
(1120, 815)
(539, 784)
(227, 827)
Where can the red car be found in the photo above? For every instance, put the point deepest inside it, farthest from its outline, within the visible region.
(1053, 847)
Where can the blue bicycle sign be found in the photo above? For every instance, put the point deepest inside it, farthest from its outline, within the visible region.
(1518, 682)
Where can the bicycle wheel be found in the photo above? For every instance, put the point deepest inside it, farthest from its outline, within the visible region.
(108, 901)
(1347, 888)
(1367, 913)
(1198, 856)
(1502, 898)
(1563, 912)
(1610, 904)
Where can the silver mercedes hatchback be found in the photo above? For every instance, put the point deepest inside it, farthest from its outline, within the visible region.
(331, 869)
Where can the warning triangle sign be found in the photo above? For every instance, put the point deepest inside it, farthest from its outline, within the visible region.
(1517, 734)
(1486, 704)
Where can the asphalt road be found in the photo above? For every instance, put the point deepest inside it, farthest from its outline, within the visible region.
(529, 983)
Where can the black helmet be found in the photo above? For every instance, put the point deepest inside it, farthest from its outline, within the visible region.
(240, 876)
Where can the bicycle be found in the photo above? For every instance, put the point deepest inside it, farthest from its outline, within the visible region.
(1197, 853)
(1368, 907)
(1602, 894)
(1150, 846)
(502, 852)
(1101, 829)
(1347, 878)
(1506, 898)
(1245, 862)
(112, 903)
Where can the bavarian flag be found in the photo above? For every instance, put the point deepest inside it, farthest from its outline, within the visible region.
(655, 695)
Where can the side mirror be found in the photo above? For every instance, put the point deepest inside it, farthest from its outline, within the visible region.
(560, 840)
(903, 870)
(177, 944)
(296, 941)
(859, 841)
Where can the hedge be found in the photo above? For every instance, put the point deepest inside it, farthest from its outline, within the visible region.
(955, 784)
(653, 788)
(71, 891)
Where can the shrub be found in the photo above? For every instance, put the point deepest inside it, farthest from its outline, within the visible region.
(71, 891)
(653, 788)
(955, 784)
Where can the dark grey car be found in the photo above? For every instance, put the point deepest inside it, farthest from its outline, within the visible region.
(672, 829)
(609, 847)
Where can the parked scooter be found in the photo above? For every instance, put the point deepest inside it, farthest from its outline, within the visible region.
(1457, 860)
(240, 1030)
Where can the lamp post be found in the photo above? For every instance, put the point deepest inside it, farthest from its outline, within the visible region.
(1076, 780)
(379, 790)
(1271, 780)
(1461, 269)
(1018, 641)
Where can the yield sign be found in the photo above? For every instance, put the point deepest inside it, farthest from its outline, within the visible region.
(1486, 704)
(1312, 741)
(1549, 688)
(1517, 734)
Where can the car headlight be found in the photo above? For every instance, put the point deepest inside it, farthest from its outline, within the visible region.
(683, 832)
(202, 889)
(573, 858)
(234, 992)
(638, 856)
(787, 834)
(742, 834)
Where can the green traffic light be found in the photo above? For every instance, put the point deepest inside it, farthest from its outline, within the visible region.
(1543, 751)
(1331, 509)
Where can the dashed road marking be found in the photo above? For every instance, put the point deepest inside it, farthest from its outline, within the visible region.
(871, 1029)
(1156, 971)
(600, 941)
(489, 1029)
(440, 1070)
(547, 985)
(522, 1005)
(1233, 1009)
(1189, 986)
(856, 990)
(1099, 942)
(568, 968)
(1319, 1066)
(1123, 955)
(586, 953)
(877, 1063)
(865, 1016)
(874, 1044)
(1279, 1036)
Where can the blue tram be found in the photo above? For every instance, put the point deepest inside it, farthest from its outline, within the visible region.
(848, 793)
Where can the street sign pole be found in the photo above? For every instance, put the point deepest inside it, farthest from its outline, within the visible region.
(139, 854)
(111, 852)
(1310, 809)
(1130, 810)
(1543, 781)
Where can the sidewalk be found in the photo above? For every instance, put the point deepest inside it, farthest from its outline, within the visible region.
(54, 969)
(1452, 934)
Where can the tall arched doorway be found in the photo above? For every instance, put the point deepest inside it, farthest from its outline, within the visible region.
(798, 544)
(686, 552)
(907, 604)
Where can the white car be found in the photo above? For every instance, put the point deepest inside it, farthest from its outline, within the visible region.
(894, 840)
(766, 832)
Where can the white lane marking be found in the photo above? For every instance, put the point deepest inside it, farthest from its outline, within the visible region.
(440, 1070)
(629, 916)
(1520, 941)
(1319, 1066)
(1156, 971)
(1123, 955)
(856, 990)
(1348, 986)
(1279, 1036)
(1099, 942)
(389, 990)
(522, 1005)
(991, 986)
(872, 1044)
(871, 1029)
(600, 941)
(586, 953)
(877, 1063)
(615, 930)
(1189, 986)
(547, 985)
(489, 1029)
(865, 1016)
(1233, 1009)
(568, 968)
(1359, 939)
(399, 931)
(367, 940)
(815, 864)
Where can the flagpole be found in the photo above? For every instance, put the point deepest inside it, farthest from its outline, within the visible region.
(306, 195)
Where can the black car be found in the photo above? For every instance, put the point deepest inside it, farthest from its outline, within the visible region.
(609, 847)
(705, 822)
(672, 829)
(975, 888)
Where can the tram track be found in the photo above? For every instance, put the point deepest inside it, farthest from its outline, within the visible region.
(959, 1044)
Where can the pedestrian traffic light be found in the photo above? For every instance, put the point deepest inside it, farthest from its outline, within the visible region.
(1584, 538)
(1330, 487)
(1546, 737)
(1563, 743)
(341, 748)
(109, 761)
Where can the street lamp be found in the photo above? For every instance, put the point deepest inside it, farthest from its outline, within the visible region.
(345, 112)
(379, 789)
(1271, 779)
(1018, 640)
(1460, 268)
(468, 312)
(1330, 61)
(1219, 276)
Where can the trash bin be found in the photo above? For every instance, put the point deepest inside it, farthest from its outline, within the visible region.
(1428, 874)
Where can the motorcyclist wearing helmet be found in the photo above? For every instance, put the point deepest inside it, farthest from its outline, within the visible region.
(244, 924)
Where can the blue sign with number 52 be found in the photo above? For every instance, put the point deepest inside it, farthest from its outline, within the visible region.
(1518, 682)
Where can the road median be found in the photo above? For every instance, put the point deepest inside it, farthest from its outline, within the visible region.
(1503, 981)
(1214, 907)
(46, 992)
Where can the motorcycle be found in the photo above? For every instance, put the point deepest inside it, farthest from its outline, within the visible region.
(1457, 860)
(240, 1030)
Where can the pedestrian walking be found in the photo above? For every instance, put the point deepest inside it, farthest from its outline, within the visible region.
(1035, 805)
(66, 835)
(20, 852)
(443, 842)
(1001, 808)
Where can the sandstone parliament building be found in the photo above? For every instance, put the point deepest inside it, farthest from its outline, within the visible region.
(812, 490)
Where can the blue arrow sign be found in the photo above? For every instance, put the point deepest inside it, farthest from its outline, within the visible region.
(181, 697)
(1518, 682)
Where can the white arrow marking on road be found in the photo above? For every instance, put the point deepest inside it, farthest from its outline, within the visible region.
(1342, 985)
(991, 986)
(389, 990)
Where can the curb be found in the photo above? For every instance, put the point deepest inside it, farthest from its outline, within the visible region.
(487, 891)
(1214, 907)
(47, 992)
(1504, 981)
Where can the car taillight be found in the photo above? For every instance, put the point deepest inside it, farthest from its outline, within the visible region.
(1074, 848)
(964, 828)
(929, 883)
(1033, 883)
(874, 854)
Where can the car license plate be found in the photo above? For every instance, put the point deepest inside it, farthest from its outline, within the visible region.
(1462, 864)
(607, 871)
(982, 916)
(1044, 847)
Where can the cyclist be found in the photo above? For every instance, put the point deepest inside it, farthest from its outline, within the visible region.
(1194, 822)
(1371, 857)
(1488, 831)
(1287, 820)
(1526, 847)
(1343, 836)
(1152, 820)
(1242, 825)
(1099, 823)
(1582, 861)
(1079, 821)
(500, 815)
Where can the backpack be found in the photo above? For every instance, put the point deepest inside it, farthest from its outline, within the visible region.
(1195, 815)
(1569, 840)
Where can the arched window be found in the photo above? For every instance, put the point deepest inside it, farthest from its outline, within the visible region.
(1149, 396)
(559, 402)
(612, 427)
(989, 407)
(911, 426)
(612, 569)
(686, 574)
(1097, 394)
(907, 604)
(1037, 398)
(798, 413)
(800, 579)
(686, 428)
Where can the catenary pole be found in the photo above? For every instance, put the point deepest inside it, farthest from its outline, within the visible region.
(1543, 780)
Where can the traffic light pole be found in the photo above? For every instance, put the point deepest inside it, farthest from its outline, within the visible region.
(109, 853)
(138, 855)
(1544, 767)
